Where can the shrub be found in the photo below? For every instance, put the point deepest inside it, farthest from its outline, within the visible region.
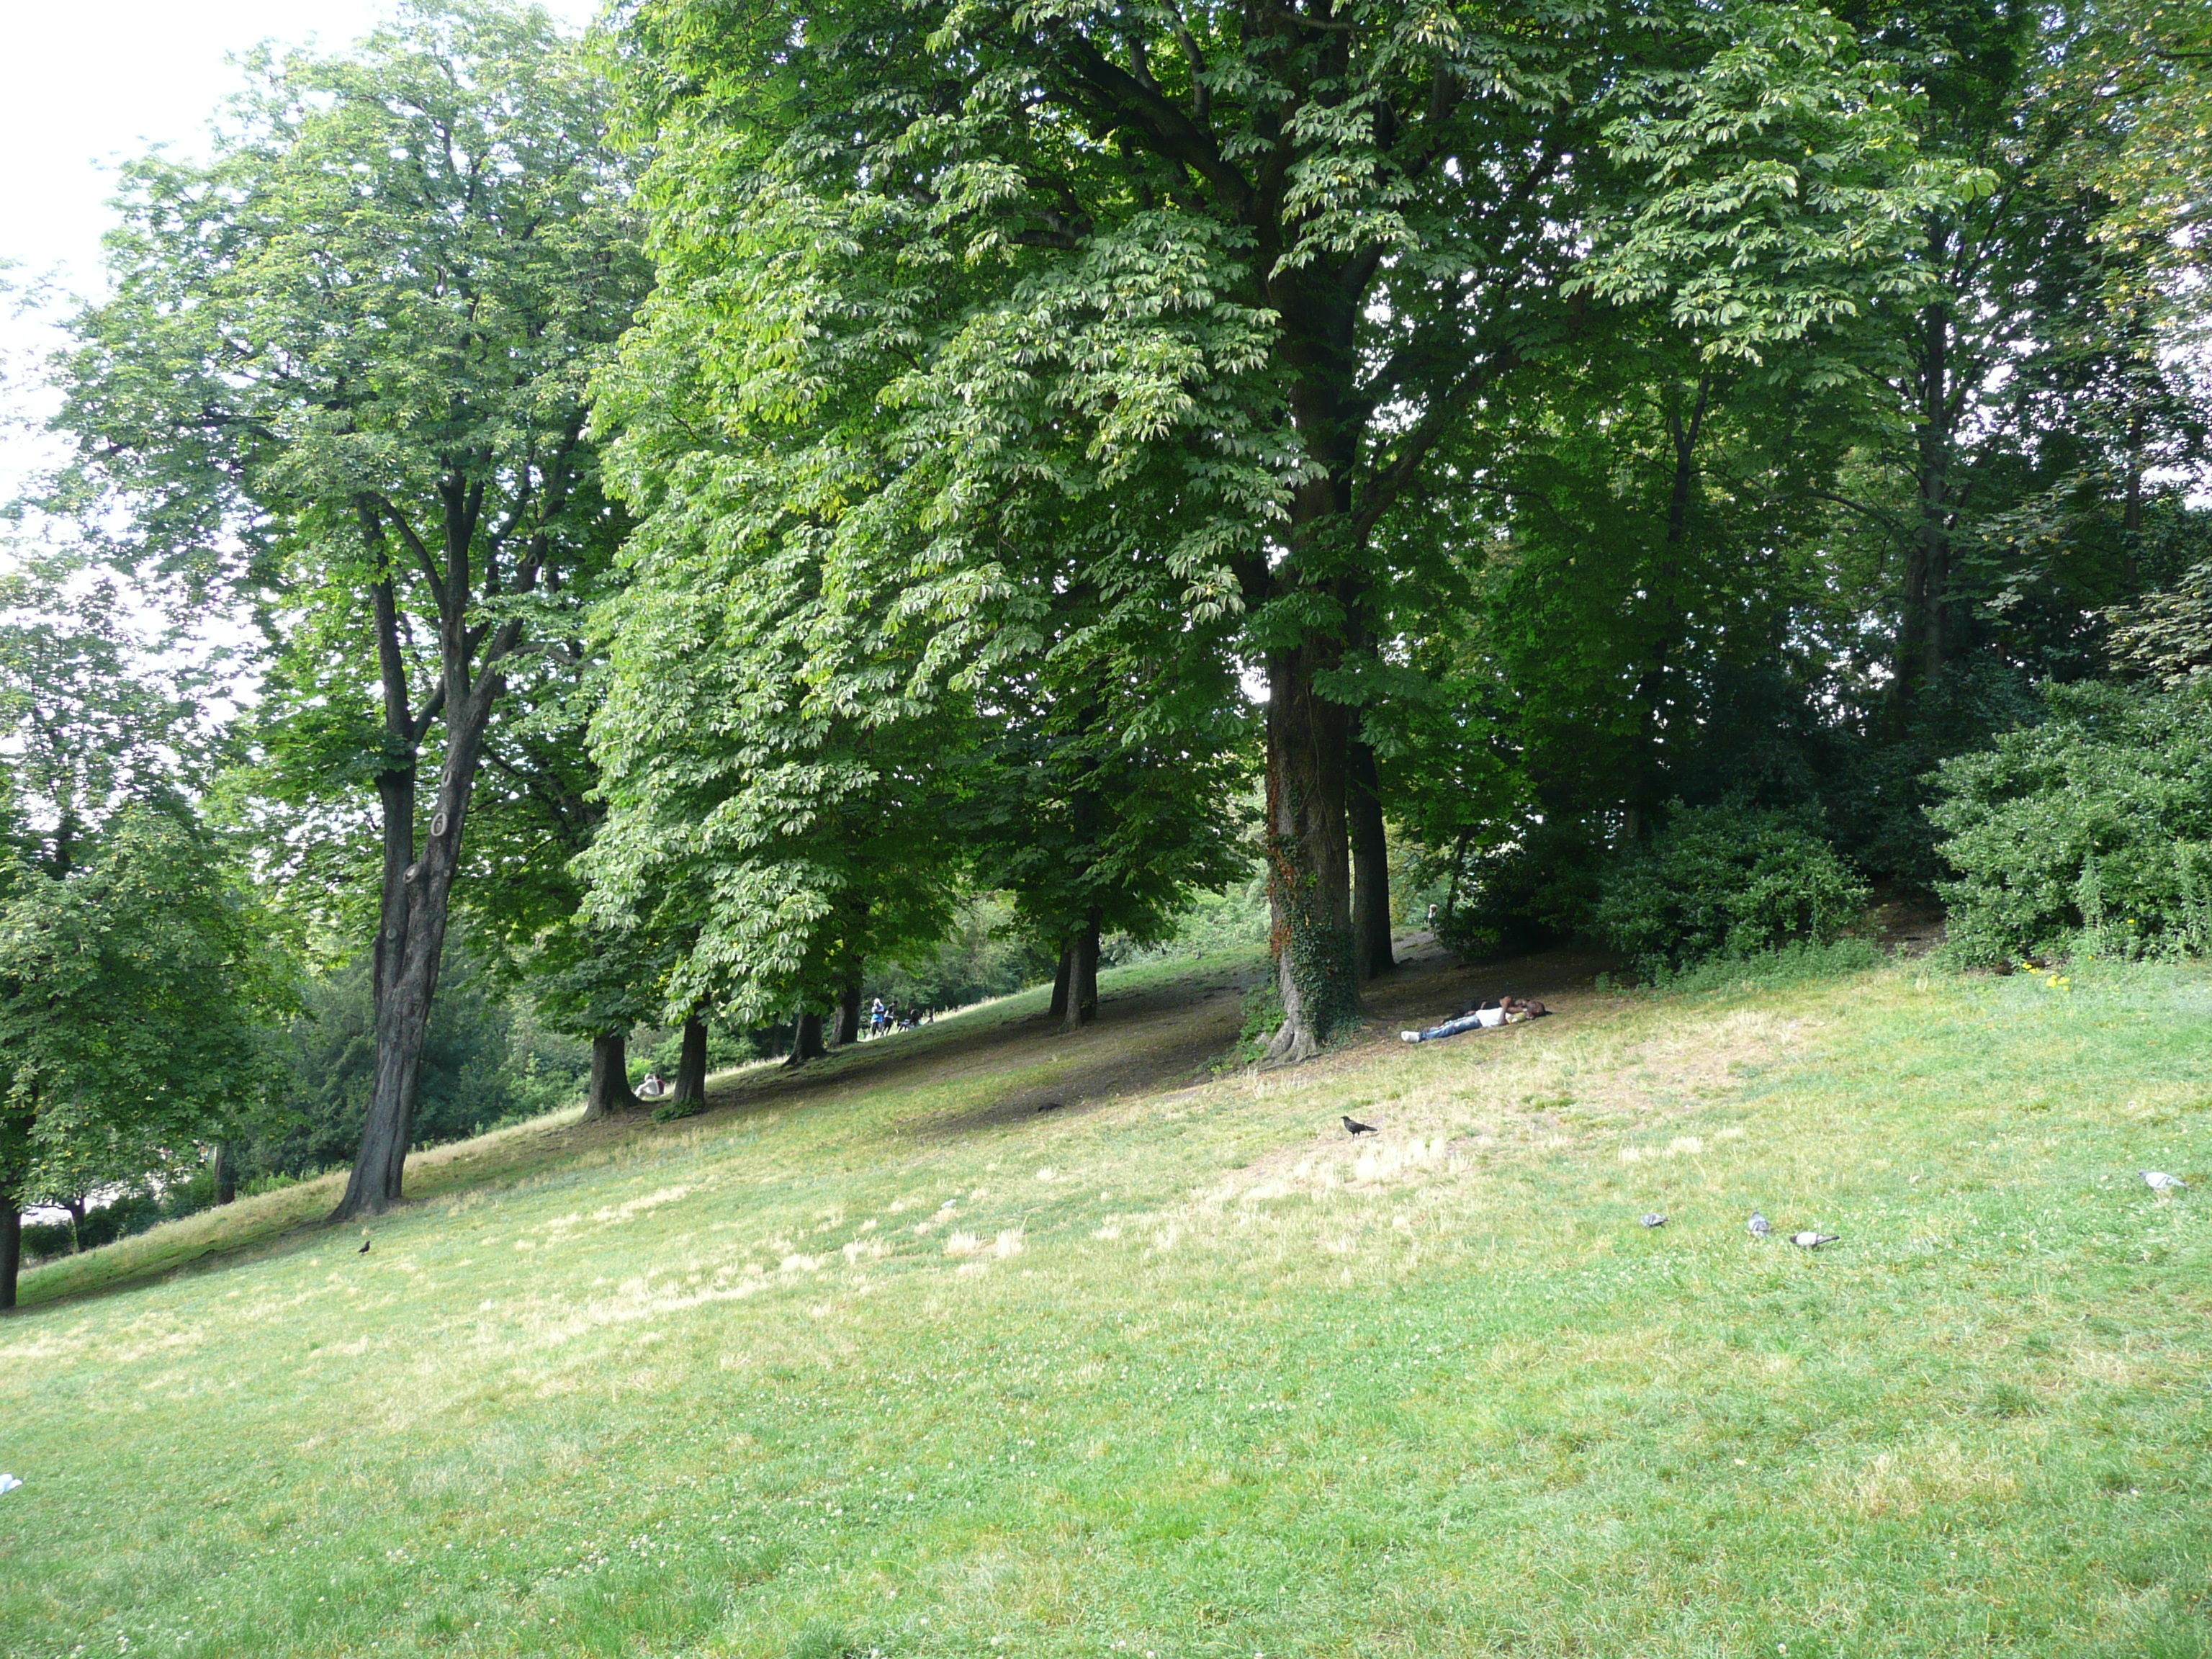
(2091, 829)
(1529, 894)
(1724, 882)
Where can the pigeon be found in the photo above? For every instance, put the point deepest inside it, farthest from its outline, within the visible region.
(2159, 1181)
(363, 1250)
(1812, 1240)
(1409, 1036)
(1652, 1219)
(1049, 1106)
(1354, 1126)
(1759, 1225)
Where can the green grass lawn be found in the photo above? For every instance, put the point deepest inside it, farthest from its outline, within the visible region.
(896, 1365)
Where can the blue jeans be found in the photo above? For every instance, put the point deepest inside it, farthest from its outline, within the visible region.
(1452, 1028)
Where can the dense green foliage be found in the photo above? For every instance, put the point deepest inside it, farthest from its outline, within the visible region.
(1726, 882)
(2090, 829)
(876, 498)
(132, 992)
(483, 1064)
(340, 381)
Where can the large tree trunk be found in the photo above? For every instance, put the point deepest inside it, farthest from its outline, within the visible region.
(610, 1090)
(226, 1173)
(1082, 957)
(1310, 872)
(12, 1249)
(848, 1014)
(1060, 979)
(691, 1063)
(806, 1039)
(410, 947)
(1370, 869)
(410, 936)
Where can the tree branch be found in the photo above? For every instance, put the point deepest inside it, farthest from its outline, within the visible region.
(428, 566)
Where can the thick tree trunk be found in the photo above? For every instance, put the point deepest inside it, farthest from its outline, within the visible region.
(1059, 981)
(806, 1039)
(410, 937)
(848, 1014)
(410, 947)
(1370, 869)
(1310, 872)
(1082, 957)
(691, 1063)
(226, 1173)
(608, 1092)
(12, 1249)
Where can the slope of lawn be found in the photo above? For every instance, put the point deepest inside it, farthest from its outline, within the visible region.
(887, 1361)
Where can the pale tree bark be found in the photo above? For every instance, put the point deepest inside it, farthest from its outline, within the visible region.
(610, 1092)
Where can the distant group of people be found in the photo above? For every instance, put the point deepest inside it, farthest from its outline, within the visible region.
(889, 1017)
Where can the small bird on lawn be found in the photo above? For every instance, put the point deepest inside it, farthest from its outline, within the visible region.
(1354, 1126)
(1653, 1218)
(2159, 1181)
(1049, 1106)
(363, 1250)
(1812, 1240)
(1759, 1225)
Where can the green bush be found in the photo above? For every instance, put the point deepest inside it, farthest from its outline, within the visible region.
(1537, 891)
(2091, 830)
(1726, 882)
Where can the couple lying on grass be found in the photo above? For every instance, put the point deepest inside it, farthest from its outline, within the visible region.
(1502, 1011)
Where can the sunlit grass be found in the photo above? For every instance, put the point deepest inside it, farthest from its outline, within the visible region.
(1189, 1373)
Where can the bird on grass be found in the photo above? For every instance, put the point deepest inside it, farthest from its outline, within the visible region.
(1758, 1226)
(363, 1250)
(1049, 1106)
(2159, 1181)
(1812, 1240)
(1652, 1219)
(1354, 1126)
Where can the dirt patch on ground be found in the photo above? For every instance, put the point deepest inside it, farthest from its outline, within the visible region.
(1909, 924)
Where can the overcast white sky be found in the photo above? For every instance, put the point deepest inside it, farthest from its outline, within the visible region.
(86, 83)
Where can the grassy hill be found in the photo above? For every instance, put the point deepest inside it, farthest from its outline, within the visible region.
(883, 1360)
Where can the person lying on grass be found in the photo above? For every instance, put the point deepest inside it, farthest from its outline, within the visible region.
(1505, 1011)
